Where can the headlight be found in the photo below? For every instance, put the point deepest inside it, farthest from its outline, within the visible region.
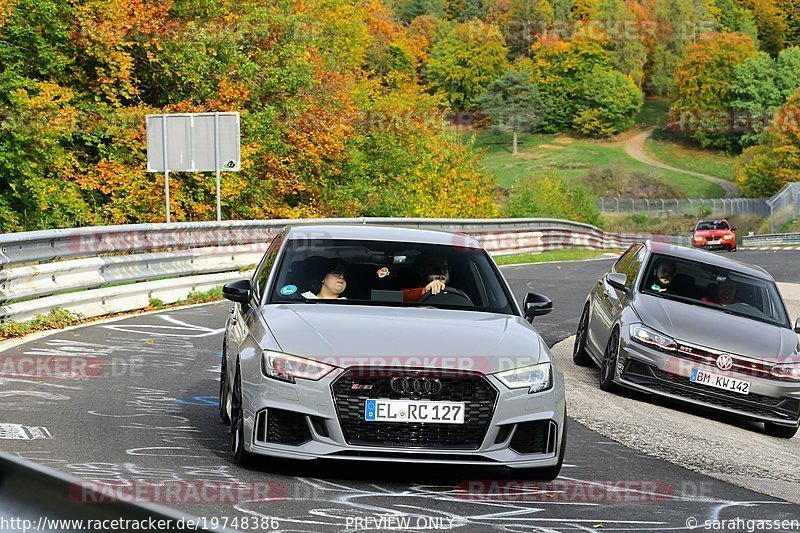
(651, 337)
(786, 372)
(536, 377)
(698, 239)
(727, 237)
(286, 367)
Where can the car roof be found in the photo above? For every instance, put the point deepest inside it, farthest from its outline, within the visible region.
(382, 233)
(702, 256)
(713, 220)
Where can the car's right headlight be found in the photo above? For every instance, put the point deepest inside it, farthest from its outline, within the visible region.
(285, 367)
(535, 378)
(642, 334)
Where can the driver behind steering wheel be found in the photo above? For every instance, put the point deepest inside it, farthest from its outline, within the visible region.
(434, 274)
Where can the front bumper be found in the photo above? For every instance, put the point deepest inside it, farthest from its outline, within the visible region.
(720, 246)
(654, 372)
(312, 420)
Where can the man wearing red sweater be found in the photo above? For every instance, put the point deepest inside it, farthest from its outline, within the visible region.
(434, 274)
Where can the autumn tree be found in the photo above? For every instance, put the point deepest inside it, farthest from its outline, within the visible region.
(465, 60)
(513, 103)
(703, 84)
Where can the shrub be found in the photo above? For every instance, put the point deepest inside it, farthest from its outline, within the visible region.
(550, 195)
(612, 180)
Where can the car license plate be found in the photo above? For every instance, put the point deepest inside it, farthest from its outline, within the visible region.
(713, 242)
(720, 382)
(414, 411)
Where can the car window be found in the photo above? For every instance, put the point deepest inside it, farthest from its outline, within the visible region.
(262, 272)
(623, 262)
(388, 273)
(726, 290)
(710, 225)
(633, 266)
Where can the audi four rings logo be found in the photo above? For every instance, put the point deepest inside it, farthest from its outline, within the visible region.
(421, 386)
(724, 362)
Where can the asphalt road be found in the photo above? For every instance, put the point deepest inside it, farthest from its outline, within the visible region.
(146, 419)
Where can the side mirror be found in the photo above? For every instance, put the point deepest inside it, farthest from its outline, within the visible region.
(536, 304)
(237, 291)
(797, 326)
(618, 280)
(691, 230)
(733, 229)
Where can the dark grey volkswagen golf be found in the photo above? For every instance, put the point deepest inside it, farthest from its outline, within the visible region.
(695, 327)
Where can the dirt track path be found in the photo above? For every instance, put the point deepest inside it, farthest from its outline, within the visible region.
(634, 146)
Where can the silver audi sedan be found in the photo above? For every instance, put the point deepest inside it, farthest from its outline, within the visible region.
(386, 344)
(695, 327)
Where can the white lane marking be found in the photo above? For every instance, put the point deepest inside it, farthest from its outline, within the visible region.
(32, 393)
(20, 432)
(178, 329)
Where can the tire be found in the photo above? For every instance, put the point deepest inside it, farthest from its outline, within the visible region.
(224, 394)
(240, 456)
(609, 365)
(777, 430)
(580, 356)
(548, 473)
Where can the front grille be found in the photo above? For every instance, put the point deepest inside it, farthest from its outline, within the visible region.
(534, 437)
(754, 404)
(708, 356)
(282, 427)
(474, 390)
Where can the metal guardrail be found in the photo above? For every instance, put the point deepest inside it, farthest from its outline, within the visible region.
(63, 500)
(106, 270)
(775, 239)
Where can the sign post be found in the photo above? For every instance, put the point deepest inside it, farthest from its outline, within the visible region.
(194, 142)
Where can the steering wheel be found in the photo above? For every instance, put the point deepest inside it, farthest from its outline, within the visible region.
(447, 296)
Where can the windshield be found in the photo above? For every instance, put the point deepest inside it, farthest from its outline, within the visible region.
(388, 273)
(718, 288)
(709, 225)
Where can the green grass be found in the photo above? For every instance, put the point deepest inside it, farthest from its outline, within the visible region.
(653, 113)
(572, 157)
(685, 156)
(566, 254)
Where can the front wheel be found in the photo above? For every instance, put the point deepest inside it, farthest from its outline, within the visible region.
(777, 430)
(224, 394)
(609, 365)
(580, 356)
(240, 456)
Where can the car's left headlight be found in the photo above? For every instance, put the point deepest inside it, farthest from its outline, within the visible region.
(727, 237)
(285, 367)
(536, 377)
(786, 372)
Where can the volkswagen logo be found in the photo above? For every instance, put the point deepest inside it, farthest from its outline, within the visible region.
(415, 386)
(724, 362)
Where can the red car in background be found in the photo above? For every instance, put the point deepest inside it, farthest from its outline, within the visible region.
(714, 235)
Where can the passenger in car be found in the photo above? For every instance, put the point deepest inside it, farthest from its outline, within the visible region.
(724, 294)
(434, 275)
(662, 275)
(332, 284)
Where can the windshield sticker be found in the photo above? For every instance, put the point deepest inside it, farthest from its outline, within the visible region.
(288, 290)
(383, 272)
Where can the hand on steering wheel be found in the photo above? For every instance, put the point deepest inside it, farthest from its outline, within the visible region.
(434, 287)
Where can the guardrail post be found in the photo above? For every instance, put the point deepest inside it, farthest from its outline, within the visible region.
(617, 204)
(602, 205)
(647, 203)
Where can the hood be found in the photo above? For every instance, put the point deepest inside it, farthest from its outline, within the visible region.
(712, 233)
(404, 336)
(716, 329)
